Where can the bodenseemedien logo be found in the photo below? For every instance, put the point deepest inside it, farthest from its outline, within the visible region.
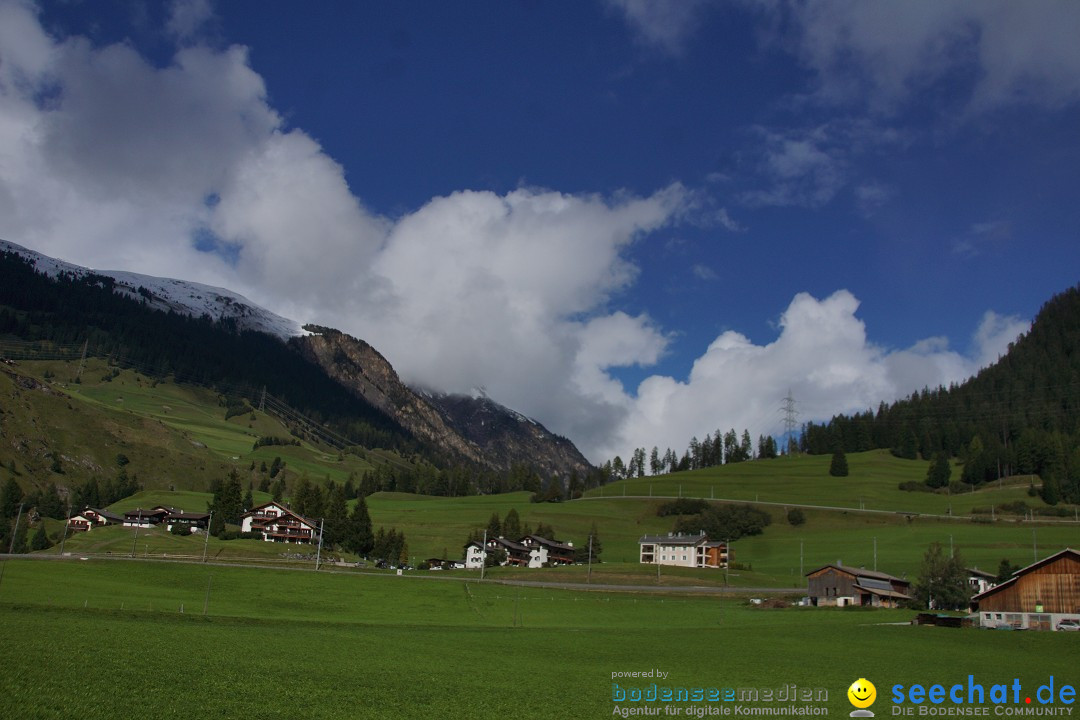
(862, 695)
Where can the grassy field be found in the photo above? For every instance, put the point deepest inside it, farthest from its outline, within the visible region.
(97, 639)
(804, 479)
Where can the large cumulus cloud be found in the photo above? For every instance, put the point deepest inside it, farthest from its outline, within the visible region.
(187, 170)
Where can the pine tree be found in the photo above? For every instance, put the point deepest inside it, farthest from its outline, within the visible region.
(19, 546)
(49, 504)
(359, 538)
(1005, 570)
(1051, 493)
(838, 467)
(336, 517)
(10, 497)
(939, 472)
(40, 541)
(597, 547)
(494, 526)
(228, 501)
(511, 526)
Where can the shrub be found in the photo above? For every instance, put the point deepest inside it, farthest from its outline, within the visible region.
(238, 535)
(682, 506)
(796, 517)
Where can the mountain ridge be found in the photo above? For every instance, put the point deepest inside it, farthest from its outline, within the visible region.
(349, 363)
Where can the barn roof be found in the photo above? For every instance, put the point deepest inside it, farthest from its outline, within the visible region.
(860, 573)
(1024, 571)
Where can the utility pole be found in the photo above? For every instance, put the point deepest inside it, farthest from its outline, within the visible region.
(206, 540)
(82, 360)
(262, 400)
(875, 551)
(14, 534)
(318, 553)
(801, 559)
(589, 576)
(136, 540)
(483, 556)
(67, 521)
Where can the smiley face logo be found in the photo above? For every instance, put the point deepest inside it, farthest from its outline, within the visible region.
(862, 693)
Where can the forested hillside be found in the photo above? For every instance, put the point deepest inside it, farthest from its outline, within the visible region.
(1019, 416)
(74, 310)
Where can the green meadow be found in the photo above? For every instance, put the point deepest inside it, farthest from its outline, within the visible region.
(804, 480)
(107, 638)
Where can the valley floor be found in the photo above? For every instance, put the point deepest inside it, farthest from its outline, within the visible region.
(98, 639)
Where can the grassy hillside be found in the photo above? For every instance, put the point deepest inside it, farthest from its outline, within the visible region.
(88, 638)
(175, 436)
(804, 479)
(437, 527)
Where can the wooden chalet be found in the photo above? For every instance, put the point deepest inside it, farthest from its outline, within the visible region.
(516, 553)
(145, 518)
(90, 518)
(839, 586)
(1037, 597)
(195, 521)
(277, 523)
(547, 551)
(531, 551)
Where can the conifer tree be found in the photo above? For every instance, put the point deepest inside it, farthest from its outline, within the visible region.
(359, 538)
(511, 526)
(10, 497)
(838, 467)
(939, 472)
(494, 526)
(19, 546)
(40, 541)
(336, 517)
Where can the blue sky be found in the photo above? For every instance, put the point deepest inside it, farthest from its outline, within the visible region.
(634, 220)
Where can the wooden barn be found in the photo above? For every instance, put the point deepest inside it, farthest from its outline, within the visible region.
(840, 586)
(1037, 597)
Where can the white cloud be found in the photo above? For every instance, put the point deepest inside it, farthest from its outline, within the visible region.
(187, 18)
(993, 52)
(995, 334)
(822, 354)
(703, 272)
(665, 24)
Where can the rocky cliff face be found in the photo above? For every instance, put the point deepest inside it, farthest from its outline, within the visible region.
(474, 429)
(511, 437)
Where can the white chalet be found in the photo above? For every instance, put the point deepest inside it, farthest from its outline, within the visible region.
(278, 523)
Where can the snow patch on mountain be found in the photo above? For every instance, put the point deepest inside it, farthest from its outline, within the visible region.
(180, 296)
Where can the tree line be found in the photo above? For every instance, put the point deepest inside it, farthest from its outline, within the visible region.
(716, 449)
